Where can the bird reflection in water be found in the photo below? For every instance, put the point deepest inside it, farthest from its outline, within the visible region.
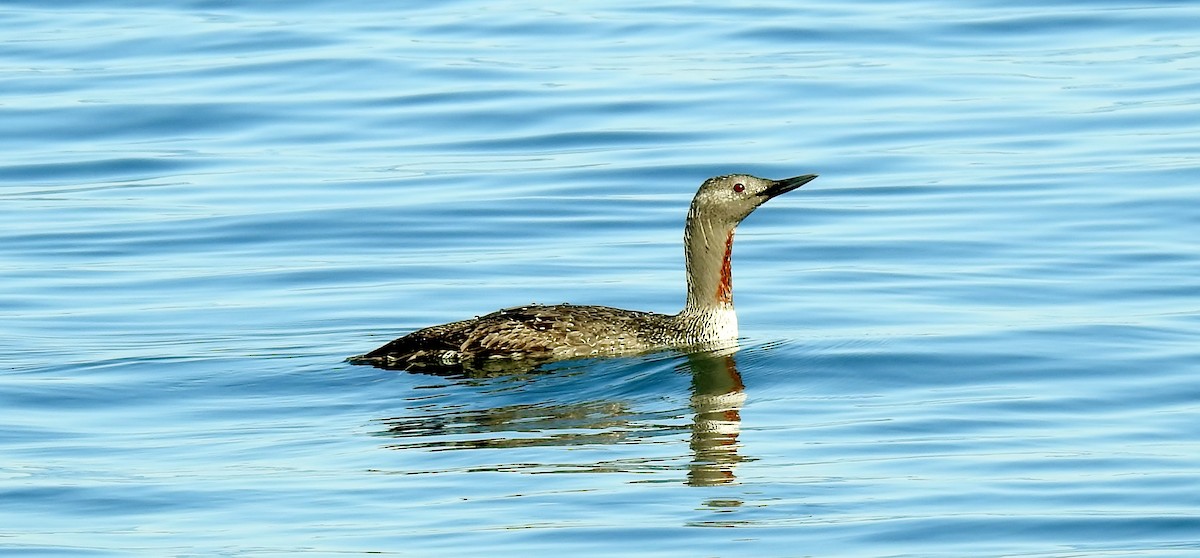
(717, 396)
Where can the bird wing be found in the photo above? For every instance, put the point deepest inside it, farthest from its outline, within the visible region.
(532, 332)
(564, 330)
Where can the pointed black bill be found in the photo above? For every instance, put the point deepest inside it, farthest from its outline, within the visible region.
(786, 185)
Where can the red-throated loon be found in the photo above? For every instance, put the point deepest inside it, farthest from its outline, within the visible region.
(564, 331)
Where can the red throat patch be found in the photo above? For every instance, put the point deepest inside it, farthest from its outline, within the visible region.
(725, 287)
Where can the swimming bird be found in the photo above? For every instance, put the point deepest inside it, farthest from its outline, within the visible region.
(565, 331)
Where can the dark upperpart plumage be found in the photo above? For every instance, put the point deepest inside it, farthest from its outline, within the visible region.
(538, 333)
(534, 333)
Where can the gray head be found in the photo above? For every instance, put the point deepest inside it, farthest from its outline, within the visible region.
(729, 199)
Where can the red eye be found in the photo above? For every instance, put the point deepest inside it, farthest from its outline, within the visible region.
(739, 187)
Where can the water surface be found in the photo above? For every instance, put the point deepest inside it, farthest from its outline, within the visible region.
(974, 335)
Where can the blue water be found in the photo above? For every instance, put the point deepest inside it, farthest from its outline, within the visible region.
(977, 334)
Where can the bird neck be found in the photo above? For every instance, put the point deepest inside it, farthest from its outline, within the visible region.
(708, 246)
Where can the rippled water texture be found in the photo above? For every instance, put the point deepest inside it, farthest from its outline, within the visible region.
(976, 334)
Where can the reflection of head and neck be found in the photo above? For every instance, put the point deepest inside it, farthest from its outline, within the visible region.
(717, 399)
(717, 396)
